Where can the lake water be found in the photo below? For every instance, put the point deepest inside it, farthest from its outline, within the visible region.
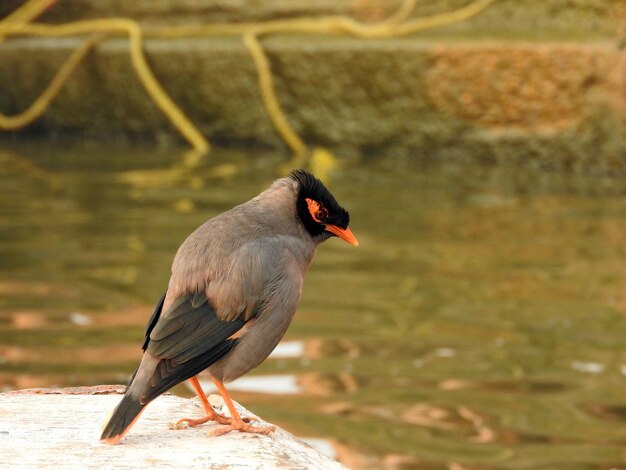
(481, 323)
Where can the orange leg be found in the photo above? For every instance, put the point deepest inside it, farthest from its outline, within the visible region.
(237, 424)
(211, 415)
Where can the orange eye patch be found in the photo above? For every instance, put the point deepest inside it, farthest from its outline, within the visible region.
(317, 211)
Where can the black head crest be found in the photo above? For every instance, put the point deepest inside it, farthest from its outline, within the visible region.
(316, 206)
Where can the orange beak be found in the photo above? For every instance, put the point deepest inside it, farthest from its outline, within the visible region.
(343, 233)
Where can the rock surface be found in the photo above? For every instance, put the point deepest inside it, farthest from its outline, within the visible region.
(60, 428)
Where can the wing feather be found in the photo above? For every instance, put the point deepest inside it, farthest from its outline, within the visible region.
(154, 318)
(198, 326)
(186, 332)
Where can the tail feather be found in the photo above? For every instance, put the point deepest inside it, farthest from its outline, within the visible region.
(123, 417)
(153, 376)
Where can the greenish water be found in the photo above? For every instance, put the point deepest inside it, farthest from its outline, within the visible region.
(480, 324)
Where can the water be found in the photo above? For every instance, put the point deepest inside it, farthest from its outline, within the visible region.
(480, 323)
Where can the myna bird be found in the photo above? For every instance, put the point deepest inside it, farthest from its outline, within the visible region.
(235, 285)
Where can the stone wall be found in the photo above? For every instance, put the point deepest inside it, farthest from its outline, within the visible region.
(533, 81)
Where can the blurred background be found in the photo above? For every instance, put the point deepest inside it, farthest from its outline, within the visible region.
(480, 148)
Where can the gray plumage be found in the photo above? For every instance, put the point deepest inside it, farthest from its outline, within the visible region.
(235, 285)
(247, 261)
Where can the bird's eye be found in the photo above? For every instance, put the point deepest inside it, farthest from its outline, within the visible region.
(321, 214)
(317, 211)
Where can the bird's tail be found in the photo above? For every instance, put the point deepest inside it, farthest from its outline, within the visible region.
(121, 420)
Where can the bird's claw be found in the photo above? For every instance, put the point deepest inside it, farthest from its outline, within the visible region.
(192, 423)
(242, 427)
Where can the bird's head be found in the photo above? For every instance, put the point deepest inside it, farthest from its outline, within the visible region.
(318, 210)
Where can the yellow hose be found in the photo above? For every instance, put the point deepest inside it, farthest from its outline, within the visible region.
(39, 106)
(23, 15)
(138, 60)
(275, 112)
(19, 24)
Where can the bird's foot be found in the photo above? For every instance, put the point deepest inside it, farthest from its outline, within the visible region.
(192, 423)
(242, 426)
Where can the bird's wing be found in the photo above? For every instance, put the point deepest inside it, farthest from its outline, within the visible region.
(190, 328)
(200, 327)
(154, 318)
(243, 283)
(198, 321)
(179, 344)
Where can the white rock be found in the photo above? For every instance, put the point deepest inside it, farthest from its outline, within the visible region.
(61, 429)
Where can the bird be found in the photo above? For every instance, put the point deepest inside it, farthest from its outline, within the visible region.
(234, 288)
